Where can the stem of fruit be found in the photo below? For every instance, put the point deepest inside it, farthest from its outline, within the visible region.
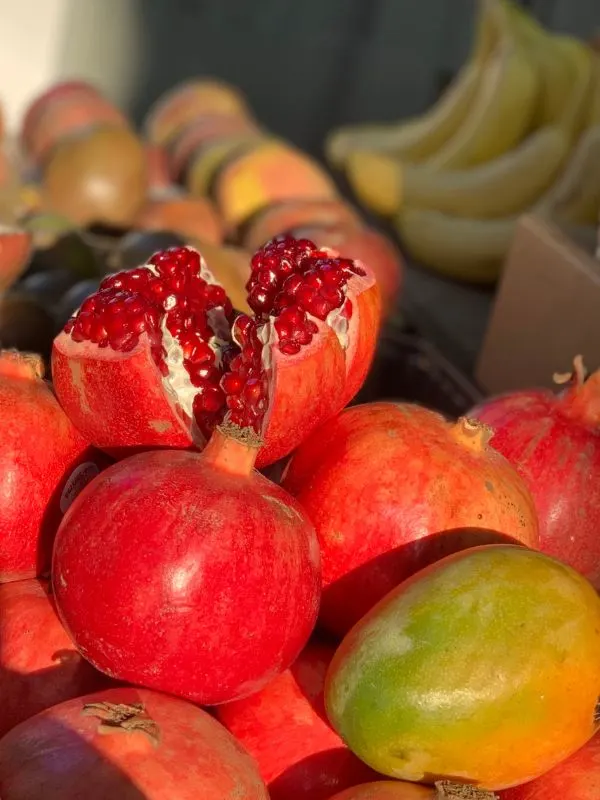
(232, 449)
(123, 718)
(472, 433)
(581, 400)
(14, 364)
(447, 790)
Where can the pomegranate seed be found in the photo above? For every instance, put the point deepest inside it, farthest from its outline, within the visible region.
(289, 348)
(232, 383)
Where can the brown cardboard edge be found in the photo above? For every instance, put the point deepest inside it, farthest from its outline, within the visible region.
(547, 235)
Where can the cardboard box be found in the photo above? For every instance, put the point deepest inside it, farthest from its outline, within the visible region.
(547, 309)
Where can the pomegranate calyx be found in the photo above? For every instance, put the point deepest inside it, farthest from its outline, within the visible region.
(232, 449)
(472, 433)
(15, 364)
(123, 718)
(447, 790)
(580, 400)
(577, 376)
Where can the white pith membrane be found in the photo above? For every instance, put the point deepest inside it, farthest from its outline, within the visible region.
(177, 381)
(268, 338)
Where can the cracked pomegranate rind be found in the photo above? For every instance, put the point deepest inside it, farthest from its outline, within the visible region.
(156, 358)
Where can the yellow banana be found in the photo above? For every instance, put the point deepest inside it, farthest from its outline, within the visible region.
(501, 113)
(503, 186)
(575, 198)
(474, 249)
(420, 137)
(593, 113)
(470, 250)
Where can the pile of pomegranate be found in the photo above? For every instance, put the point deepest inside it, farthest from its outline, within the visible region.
(197, 527)
(149, 567)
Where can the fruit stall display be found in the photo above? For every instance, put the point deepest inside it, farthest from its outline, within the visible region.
(230, 569)
(407, 609)
(517, 130)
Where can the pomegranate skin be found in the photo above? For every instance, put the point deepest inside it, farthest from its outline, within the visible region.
(557, 453)
(392, 488)
(79, 750)
(39, 665)
(210, 598)
(125, 401)
(284, 727)
(44, 462)
(576, 778)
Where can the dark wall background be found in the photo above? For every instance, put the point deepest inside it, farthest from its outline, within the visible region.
(307, 65)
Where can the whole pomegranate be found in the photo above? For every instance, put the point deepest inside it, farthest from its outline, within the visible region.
(392, 487)
(44, 463)
(126, 744)
(553, 441)
(39, 665)
(189, 573)
(285, 728)
(157, 356)
(576, 778)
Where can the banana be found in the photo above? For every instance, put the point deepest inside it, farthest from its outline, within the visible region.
(474, 250)
(501, 113)
(503, 186)
(575, 198)
(418, 138)
(593, 114)
(470, 250)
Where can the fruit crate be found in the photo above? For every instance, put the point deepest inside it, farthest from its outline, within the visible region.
(409, 367)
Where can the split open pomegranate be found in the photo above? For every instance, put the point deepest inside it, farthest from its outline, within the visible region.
(157, 356)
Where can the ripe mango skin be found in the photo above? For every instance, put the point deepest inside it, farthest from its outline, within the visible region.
(483, 668)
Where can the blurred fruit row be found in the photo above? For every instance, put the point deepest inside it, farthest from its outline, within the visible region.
(518, 130)
(83, 194)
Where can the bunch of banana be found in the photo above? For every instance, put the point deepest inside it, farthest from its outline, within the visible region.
(527, 125)
(473, 249)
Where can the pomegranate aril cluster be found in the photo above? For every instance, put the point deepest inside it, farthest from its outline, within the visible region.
(128, 304)
(291, 279)
(246, 383)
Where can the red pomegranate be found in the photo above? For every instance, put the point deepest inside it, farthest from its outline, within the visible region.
(577, 778)
(126, 744)
(285, 728)
(553, 441)
(44, 463)
(39, 665)
(155, 357)
(213, 595)
(392, 487)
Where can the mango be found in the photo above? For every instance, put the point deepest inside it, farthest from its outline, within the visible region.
(483, 668)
